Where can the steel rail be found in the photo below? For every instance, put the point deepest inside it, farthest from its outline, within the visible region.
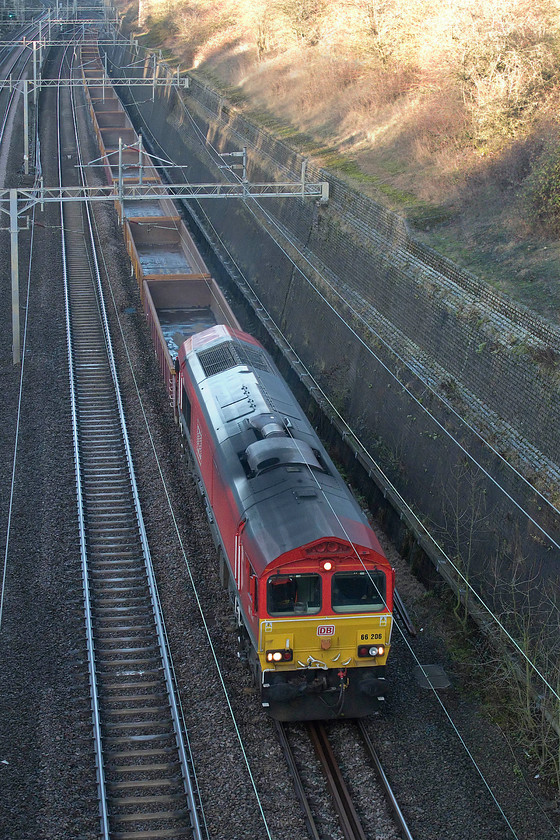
(160, 631)
(11, 84)
(157, 614)
(96, 721)
(402, 612)
(347, 814)
(382, 776)
(107, 549)
(349, 820)
(158, 617)
(296, 778)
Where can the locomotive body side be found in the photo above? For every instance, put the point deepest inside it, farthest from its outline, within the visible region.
(311, 586)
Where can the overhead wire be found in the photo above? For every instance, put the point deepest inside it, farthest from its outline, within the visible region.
(422, 527)
(332, 287)
(446, 712)
(417, 401)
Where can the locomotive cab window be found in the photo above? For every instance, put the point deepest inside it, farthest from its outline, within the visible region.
(293, 594)
(358, 592)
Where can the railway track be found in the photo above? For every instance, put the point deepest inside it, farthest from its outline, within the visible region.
(15, 64)
(143, 766)
(348, 818)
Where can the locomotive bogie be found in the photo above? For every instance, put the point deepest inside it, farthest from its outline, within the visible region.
(323, 695)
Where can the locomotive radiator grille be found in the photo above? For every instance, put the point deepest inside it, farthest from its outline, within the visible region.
(229, 355)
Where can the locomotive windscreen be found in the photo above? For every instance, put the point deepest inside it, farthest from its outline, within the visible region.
(358, 592)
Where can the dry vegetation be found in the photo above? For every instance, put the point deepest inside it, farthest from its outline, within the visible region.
(445, 111)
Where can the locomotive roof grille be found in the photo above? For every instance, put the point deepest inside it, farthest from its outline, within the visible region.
(272, 452)
(230, 354)
(253, 356)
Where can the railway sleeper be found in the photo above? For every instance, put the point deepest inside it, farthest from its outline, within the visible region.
(180, 813)
(136, 711)
(161, 799)
(121, 755)
(162, 834)
(128, 740)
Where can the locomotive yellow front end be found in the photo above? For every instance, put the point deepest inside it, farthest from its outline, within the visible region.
(316, 664)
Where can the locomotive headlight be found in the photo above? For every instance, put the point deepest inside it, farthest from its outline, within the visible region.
(327, 566)
(372, 650)
(285, 655)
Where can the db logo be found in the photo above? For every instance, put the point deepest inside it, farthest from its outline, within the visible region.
(325, 630)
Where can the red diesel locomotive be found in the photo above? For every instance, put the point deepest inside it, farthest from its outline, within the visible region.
(312, 589)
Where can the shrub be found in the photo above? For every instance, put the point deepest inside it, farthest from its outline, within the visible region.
(542, 189)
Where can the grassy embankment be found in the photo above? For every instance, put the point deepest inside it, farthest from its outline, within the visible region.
(445, 112)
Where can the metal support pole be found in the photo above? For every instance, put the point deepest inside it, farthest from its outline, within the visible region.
(34, 72)
(140, 157)
(121, 208)
(244, 170)
(26, 126)
(16, 343)
(49, 25)
(155, 77)
(303, 173)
